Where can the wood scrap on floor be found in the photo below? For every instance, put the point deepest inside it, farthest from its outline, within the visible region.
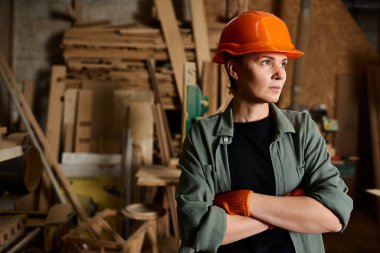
(109, 240)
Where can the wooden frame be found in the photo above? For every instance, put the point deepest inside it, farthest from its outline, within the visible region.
(81, 235)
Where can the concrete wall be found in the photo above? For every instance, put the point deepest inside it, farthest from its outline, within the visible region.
(39, 29)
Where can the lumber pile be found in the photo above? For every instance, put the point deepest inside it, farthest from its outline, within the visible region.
(106, 54)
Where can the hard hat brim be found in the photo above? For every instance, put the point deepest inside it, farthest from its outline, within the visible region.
(290, 53)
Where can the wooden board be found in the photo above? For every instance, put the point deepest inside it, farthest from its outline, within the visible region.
(140, 122)
(210, 86)
(90, 158)
(53, 129)
(84, 122)
(9, 150)
(54, 118)
(69, 112)
(173, 40)
(198, 21)
(28, 91)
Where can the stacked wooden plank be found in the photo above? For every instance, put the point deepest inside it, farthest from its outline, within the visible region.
(11, 226)
(106, 54)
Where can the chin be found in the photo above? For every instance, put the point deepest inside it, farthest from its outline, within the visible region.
(275, 100)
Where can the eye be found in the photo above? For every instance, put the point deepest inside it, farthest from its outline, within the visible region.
(284, 63)
(266, 62)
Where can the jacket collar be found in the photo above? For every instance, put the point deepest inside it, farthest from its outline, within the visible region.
(226, 124)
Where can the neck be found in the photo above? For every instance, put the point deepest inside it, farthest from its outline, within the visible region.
(246, 112)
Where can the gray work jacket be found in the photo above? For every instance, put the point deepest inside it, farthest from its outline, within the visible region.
(299, 159)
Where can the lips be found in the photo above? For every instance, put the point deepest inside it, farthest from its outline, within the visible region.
(275, 88)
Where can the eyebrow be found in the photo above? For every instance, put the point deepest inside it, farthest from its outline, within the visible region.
(271, 57)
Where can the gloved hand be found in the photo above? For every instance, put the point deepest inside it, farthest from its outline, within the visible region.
(297, 192)
(234, 202)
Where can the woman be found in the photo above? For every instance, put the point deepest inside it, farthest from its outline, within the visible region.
(256, 178)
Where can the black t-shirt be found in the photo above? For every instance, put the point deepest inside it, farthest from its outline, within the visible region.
(251, 168)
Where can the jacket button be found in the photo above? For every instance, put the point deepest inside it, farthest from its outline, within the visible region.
(225, 139)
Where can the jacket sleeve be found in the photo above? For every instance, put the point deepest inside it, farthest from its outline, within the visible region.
(202, 225)
(322, 180)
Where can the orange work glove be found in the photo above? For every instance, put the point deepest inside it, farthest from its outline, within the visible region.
(296, 192)
(234, 202)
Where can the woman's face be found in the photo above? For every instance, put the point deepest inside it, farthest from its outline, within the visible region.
(260, 77)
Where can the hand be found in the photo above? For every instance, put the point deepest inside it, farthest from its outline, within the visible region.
(234, 202)
(297, 192)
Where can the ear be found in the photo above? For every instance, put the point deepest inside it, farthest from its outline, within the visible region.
(231, 67)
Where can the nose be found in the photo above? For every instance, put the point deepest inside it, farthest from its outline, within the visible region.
(279, 73)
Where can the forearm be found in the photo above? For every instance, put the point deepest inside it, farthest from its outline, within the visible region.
(298, 214)
(240, 227)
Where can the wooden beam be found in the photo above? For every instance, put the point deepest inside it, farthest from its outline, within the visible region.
(202, 45)
(161, 114)
(173, 40)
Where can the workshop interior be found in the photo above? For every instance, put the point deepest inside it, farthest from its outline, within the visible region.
(97, 96)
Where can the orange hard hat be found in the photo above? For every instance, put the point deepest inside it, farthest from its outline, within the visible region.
(255, 31)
